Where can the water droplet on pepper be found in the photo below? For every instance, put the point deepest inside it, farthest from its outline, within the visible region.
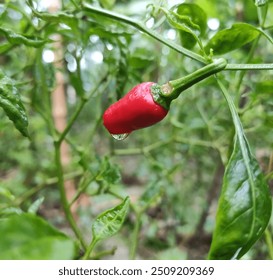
(120, 136)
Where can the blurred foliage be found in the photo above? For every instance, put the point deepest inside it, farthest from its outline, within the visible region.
(170, 171)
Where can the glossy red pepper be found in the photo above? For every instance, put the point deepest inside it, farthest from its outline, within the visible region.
(148, 103)
(137, 109)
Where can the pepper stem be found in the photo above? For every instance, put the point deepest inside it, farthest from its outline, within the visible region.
(173, 89)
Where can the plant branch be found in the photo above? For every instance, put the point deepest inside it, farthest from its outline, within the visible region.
(78, 110)
(238, 67)
(72, 119)
(64, 201)
(135, 236)
(139, 151)
(270, 164)
(159, 144)
(90, 249)
(241, 74)
(82, 188)
(140, 26)
(269, 243)
(48, 182)
(104, 253)
(268, 27)
(267, 36)
(174, 88)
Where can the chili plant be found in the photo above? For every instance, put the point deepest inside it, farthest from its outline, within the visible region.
(199, 82)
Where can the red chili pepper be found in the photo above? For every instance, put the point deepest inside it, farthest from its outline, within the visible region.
(137, 109)
(148, 103)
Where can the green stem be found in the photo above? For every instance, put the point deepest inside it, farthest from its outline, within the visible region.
(104, 253)
(64, 200)
(48, 182)
(160, 144)
(82, 188)
(238, 67)
(236, 120)
(113, 193)
(269, 176)
(135, 236)
(140, 26)
(270, 164)
(269, 243)
(173, 89)
(72, 119)
(89, 249)
(75, 4)
(78, 110)
(139, 151)
(241, 74)
(267, 36)
(268, 27)
(262, 13)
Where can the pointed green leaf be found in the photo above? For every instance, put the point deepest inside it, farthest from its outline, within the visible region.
(6, 194)
(182, 23)
(244, 207)
(110, 222)
(233, 38)
(17, 39)
(197, 16)
(28, 237)
(34, 207)
(11, 103)
(60, 17)
(8, 211)
(5, 47)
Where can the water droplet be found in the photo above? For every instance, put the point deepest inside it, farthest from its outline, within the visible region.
(120, 136)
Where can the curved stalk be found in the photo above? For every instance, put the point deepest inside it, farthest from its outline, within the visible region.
(140, 26)
(173, 89)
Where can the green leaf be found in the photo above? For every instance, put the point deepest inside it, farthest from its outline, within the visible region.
(182, 23)
(28, 237)
(250, 11)
(233, 38)
(259, 3)
(34, 207)
(8, 211)
(6, 194)
(11, 103)
(5, 47)
(138, 61)
(197, 16)
(60, 17)
(109, 172)
(264, 87)
(245, 206)
(110, 222)
(18, 39)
